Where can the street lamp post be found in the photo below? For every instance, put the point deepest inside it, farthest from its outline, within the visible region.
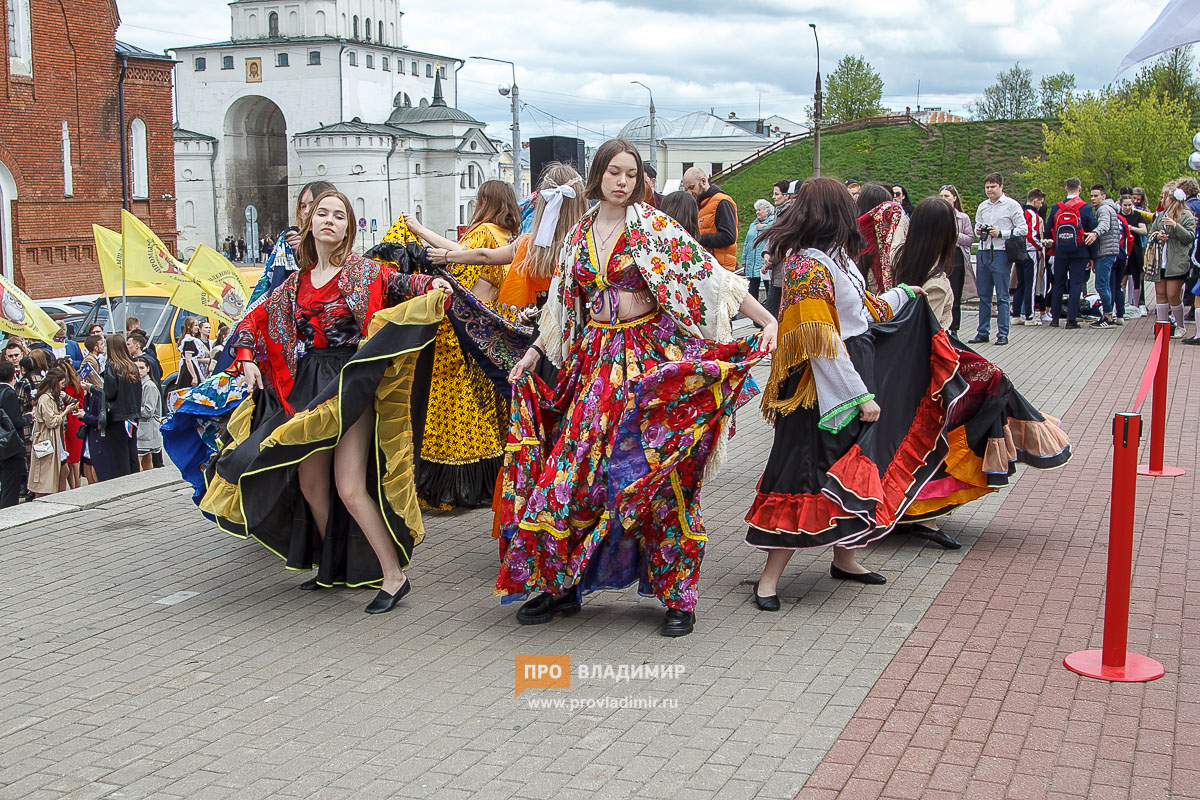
(516, 123)
(653, 140)
(817, 109)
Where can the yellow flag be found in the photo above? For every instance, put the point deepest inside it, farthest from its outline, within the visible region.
(108, 253)
(146, 258)
(20, 316)
(218, 289)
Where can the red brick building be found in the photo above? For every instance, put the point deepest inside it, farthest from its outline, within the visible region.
(64, 162)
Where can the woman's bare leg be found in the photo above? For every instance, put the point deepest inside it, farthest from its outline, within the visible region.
(844, 559)
(350, 473)
(313, 474)
(768, 582)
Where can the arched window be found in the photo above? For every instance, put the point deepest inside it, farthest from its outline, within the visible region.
(354, 35)
(272, 24)
(368, 29)
(138, 164)
(418, 213)
(189, 214)
(381, 31)
(293, 28)
(20, 37)
(319, 21)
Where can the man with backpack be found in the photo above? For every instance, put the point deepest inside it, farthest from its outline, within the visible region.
(997, 219)
(1107, 236)
(1069, 222)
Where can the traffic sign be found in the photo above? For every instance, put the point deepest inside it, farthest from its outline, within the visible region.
(373, 226)
(251, 214)
(362, 224)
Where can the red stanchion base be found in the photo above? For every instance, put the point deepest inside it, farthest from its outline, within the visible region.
(1137, 668)
(1165, 472)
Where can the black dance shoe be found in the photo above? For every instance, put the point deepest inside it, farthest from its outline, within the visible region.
(935, 535)
(678, 622)
(385, 602)
(310, 585)
(542, 608)
(765, 603)
(873, 578)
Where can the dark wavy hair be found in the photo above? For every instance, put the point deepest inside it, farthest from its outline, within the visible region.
(928, 250)
(821, 216)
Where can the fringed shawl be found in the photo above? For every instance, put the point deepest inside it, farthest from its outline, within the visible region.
(878, 226)
(808, 328)
(686, 280)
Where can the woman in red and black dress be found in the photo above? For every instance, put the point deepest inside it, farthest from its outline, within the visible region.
(330, 355)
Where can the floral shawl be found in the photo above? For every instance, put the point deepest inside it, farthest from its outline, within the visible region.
(879, 226)
(685, 279)
(808, 328)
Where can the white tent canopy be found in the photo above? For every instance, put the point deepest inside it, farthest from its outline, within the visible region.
(1176, 26)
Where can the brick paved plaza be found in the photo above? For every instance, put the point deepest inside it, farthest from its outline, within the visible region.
(144, 654)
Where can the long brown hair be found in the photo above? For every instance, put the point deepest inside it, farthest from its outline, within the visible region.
(543, 260)
(822, 216)
(306, 255)
(600, 161)
(317, 188)
(118, 357)
(496, 202)
(71, 376)
(957, 198)
(52, 385)
(930, 244)
(682, 207)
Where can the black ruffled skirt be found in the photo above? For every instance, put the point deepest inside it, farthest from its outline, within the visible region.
(849, 488)
(252, 485)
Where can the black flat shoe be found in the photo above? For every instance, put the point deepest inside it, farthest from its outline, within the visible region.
(873, 578)
(770, 603)
(385, 602)
(678, 623)
(310, 585)
(977, 340)
(935, 535)
(542, 608)
(1190, 340)
(1001, 340)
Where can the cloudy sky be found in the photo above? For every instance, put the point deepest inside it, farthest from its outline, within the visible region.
(576, 58)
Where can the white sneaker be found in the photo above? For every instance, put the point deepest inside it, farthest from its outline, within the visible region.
(1033, 321)
(1047, 317)
(1118, 320)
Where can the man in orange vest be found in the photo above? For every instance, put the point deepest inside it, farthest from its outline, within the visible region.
(718, 217)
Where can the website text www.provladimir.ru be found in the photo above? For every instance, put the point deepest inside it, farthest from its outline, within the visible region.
(554, 672)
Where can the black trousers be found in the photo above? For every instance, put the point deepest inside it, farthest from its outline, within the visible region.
(12, 481)
(774, 299)
(958, 279)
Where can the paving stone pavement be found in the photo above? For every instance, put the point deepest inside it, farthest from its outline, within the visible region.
(118, 686)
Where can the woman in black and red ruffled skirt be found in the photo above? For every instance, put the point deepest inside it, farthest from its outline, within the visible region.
(859, 390)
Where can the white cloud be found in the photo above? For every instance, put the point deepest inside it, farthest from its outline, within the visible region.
(575, 58)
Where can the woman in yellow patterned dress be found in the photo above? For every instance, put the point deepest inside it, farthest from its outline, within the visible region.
(463, 445)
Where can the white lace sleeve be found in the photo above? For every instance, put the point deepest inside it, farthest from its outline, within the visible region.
(840, 390)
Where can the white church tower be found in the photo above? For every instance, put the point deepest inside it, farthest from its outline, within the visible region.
(320, 90)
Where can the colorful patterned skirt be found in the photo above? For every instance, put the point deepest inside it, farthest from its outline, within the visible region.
(602, 477)
(990, 429)
(851, 487)
(252, 486)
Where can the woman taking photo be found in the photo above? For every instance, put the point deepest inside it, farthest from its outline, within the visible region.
(317, 465)
(964, 238)
(1171, 237)
(601, 482)
(462, 448)
(992, 426)
(49, 418)
(858, 407)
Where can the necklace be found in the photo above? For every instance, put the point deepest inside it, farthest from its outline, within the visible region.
(603, 241)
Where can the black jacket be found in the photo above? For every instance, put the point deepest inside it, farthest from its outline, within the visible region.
(123, 398)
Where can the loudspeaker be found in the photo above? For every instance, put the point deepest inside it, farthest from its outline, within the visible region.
(546, 149)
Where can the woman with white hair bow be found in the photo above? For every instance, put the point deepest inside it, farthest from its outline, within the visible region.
(752, 247)
(559, 205)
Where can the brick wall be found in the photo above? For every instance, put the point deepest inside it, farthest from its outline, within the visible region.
(75, 79)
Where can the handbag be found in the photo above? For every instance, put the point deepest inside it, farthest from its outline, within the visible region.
(43, 448)
(1014, 248)
(11, 443)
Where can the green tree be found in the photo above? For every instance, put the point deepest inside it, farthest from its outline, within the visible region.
(1113, 140)
(1056, 92)
(853, 91)
(1172, 75)
(1010, 97)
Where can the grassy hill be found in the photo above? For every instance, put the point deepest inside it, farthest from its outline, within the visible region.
(960, 153)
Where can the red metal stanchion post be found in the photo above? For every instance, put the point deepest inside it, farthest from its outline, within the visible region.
(1114, 662)
(1158, 412)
